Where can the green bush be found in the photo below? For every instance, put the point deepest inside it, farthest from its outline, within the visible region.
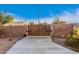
(72, 40)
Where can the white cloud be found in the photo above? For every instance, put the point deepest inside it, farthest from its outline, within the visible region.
(70, 17)
(49, 20)
(65, 16)
(20, 18)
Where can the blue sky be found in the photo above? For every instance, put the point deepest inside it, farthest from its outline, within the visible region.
(30, 11)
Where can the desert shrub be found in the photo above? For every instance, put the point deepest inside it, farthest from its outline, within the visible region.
(72, 40)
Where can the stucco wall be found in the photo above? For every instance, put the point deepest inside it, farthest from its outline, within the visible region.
(14, 31)
(61, 30)
(19, 31)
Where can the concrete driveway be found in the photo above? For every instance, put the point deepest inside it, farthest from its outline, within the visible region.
(38, 45)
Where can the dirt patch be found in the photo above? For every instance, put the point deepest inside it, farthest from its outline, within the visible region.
(7, 43)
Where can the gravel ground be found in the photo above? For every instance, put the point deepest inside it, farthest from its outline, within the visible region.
(6, 44)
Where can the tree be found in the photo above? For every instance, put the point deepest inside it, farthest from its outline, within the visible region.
(5, 19)
(8, 19)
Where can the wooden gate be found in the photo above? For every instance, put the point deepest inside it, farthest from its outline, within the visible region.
(38, 30)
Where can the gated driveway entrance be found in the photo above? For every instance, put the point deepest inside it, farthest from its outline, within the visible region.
(38, 30)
